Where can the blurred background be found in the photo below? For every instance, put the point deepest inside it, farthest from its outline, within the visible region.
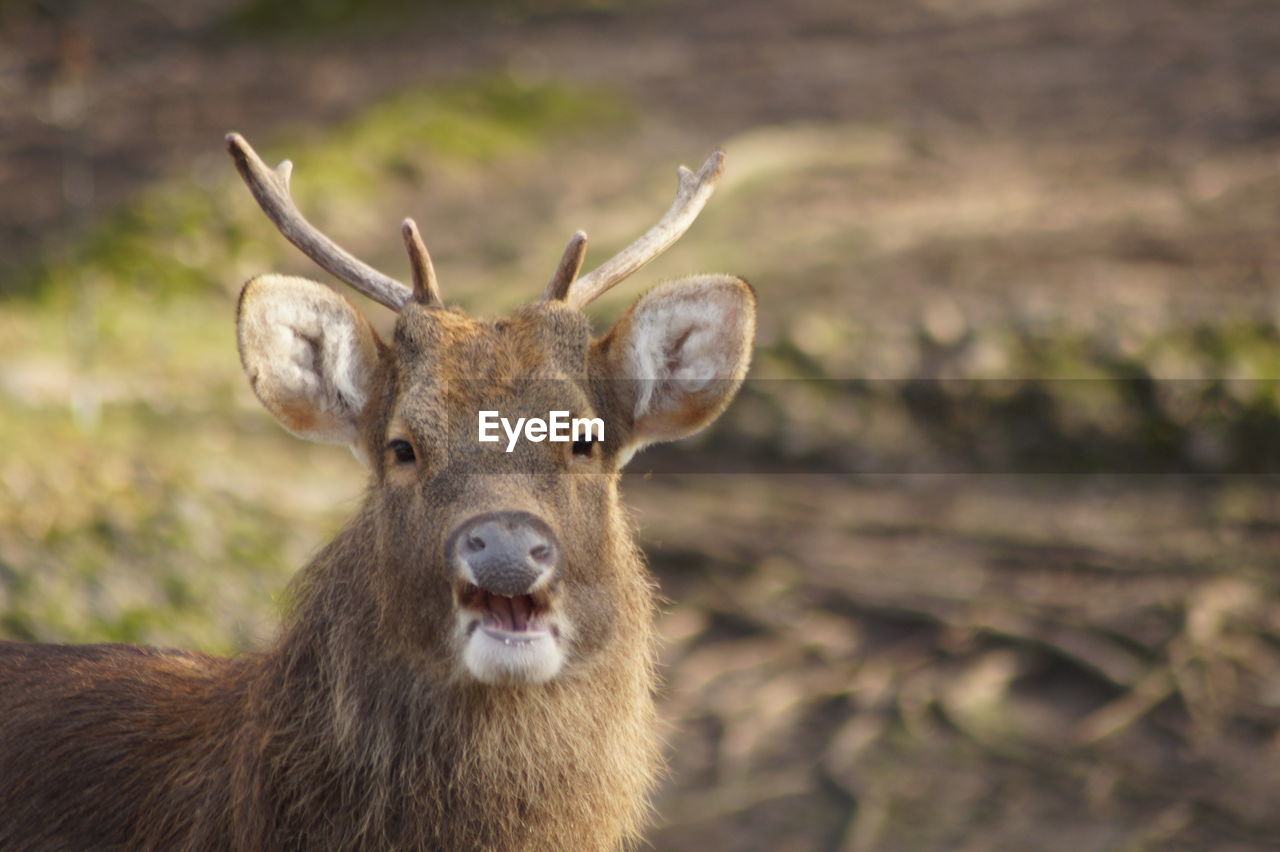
(985, 556)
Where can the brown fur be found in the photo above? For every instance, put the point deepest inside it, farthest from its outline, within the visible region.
(358, 728)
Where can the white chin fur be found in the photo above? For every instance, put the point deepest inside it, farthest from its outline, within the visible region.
(491, 660)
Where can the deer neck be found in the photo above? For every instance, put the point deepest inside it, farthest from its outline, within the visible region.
(567, 764)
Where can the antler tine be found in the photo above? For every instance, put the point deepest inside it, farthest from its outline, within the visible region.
(567, 270)
(425, 289)
(691, 197)
(270, 187)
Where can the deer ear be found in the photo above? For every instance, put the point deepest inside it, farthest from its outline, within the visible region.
(309, 354)
(679, 355)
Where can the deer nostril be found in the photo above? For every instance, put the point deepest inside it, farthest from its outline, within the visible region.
(505, 553)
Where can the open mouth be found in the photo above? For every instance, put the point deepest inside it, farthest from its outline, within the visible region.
(509, 640)
(515, 620)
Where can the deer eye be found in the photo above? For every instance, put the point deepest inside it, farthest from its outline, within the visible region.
(402, 450)
(584, 448)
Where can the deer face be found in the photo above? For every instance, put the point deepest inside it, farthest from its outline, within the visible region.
(496, 540)
(508, 567)
(504, 562)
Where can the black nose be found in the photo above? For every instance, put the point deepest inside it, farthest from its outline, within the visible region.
(506, 553)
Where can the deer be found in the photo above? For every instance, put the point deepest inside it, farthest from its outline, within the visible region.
(470, 663)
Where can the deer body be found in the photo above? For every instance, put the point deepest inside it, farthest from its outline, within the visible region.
(469, 664)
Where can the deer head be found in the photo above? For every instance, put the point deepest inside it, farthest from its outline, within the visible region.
(497, 567)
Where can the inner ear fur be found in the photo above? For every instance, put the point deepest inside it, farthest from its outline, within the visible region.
(678, 356)
(310, 356)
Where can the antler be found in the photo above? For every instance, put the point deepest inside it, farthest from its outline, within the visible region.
(425, 289)
(695, 188)
(567, 271)
(270, 187)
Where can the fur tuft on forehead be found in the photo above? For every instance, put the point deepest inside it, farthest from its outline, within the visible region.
(420, 330)
(541, 340)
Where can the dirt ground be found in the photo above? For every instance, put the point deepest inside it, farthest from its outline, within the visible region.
(918, 660)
